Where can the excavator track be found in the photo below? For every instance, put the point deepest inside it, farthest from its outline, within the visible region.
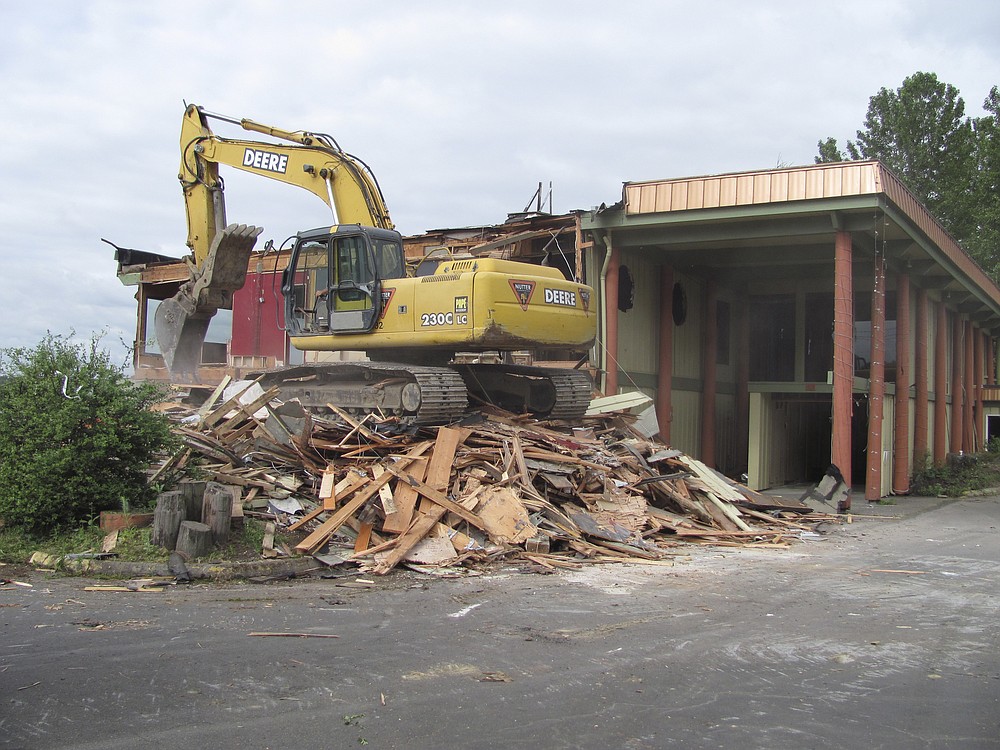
(544, 392)
(421, 395)
(415, 394)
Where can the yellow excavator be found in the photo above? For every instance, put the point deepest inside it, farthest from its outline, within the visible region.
(347, 286)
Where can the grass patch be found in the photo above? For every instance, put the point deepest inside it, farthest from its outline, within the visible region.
(17, 545)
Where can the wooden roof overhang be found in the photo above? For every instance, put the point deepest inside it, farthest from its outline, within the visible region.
(782, 223)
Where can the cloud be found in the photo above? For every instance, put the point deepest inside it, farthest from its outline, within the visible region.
(460, 110)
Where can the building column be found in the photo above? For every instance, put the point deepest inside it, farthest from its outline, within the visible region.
(901, 422)
(665, 370)
(941, 386)
(957, 385)
(611, 318)
(710, 349)
(920, 394)
(968, 389)
(977, 390)
(743, 380)
(876, 387)
(991, 362)
(843, 358)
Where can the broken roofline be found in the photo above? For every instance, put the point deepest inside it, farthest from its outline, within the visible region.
(798, 186)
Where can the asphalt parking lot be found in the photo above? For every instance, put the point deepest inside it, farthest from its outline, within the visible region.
(882, 633)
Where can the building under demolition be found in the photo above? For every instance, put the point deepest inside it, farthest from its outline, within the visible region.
(782, 320)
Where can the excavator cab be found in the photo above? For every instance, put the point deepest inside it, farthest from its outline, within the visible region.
(333, 282)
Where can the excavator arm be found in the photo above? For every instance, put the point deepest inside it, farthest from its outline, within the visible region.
(310, 161)
(220, 251)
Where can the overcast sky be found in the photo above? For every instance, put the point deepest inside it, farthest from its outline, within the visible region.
(460, 109)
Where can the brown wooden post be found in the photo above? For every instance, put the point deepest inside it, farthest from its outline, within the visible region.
(957, 384)
(941, 386)
(843, 358)
(920, 396)
(901, 421)
(977, 389)
(876, 387)
(710, 346)
(991, 362)
(743, 382)
(968, 389)
(665, 369)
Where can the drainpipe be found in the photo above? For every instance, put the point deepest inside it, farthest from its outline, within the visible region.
(609, 308)
(609, 291)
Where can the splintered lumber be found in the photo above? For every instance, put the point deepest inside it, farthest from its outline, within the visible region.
(292, 635)
(505, 516)
(729, 511)
(319, 537)
(443, 458)
(405, 499)
(500, 484)
(267, 545)
(439, 497)
(206, 407)
(438, 474)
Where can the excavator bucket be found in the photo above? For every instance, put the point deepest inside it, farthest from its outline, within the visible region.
(181, 322)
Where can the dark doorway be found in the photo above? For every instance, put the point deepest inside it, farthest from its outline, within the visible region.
(772, 338)
(819, 336)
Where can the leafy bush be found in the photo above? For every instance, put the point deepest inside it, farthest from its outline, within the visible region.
(968, 473)
(76, 436)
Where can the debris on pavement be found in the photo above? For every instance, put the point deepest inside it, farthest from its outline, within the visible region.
(362, 491)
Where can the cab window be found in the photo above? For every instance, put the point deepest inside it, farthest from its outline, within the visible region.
(352, 265)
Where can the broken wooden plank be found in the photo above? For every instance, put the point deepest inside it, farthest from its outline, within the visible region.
(319, 537)
(292, 635)
(438, 474)
(438, 497)
(405, 499)
(505, 516)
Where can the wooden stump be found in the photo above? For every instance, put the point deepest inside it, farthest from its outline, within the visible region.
(217, 511)
(194, 492)
(170, 511)
(194, 539)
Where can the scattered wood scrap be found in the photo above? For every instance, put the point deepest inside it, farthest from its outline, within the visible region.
(498, 486)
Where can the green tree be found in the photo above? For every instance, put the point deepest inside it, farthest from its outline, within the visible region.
(829, 151)
(984, 243)
(76, 436)
(921, 132)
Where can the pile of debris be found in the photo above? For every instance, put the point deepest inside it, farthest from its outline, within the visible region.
(356, 488)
